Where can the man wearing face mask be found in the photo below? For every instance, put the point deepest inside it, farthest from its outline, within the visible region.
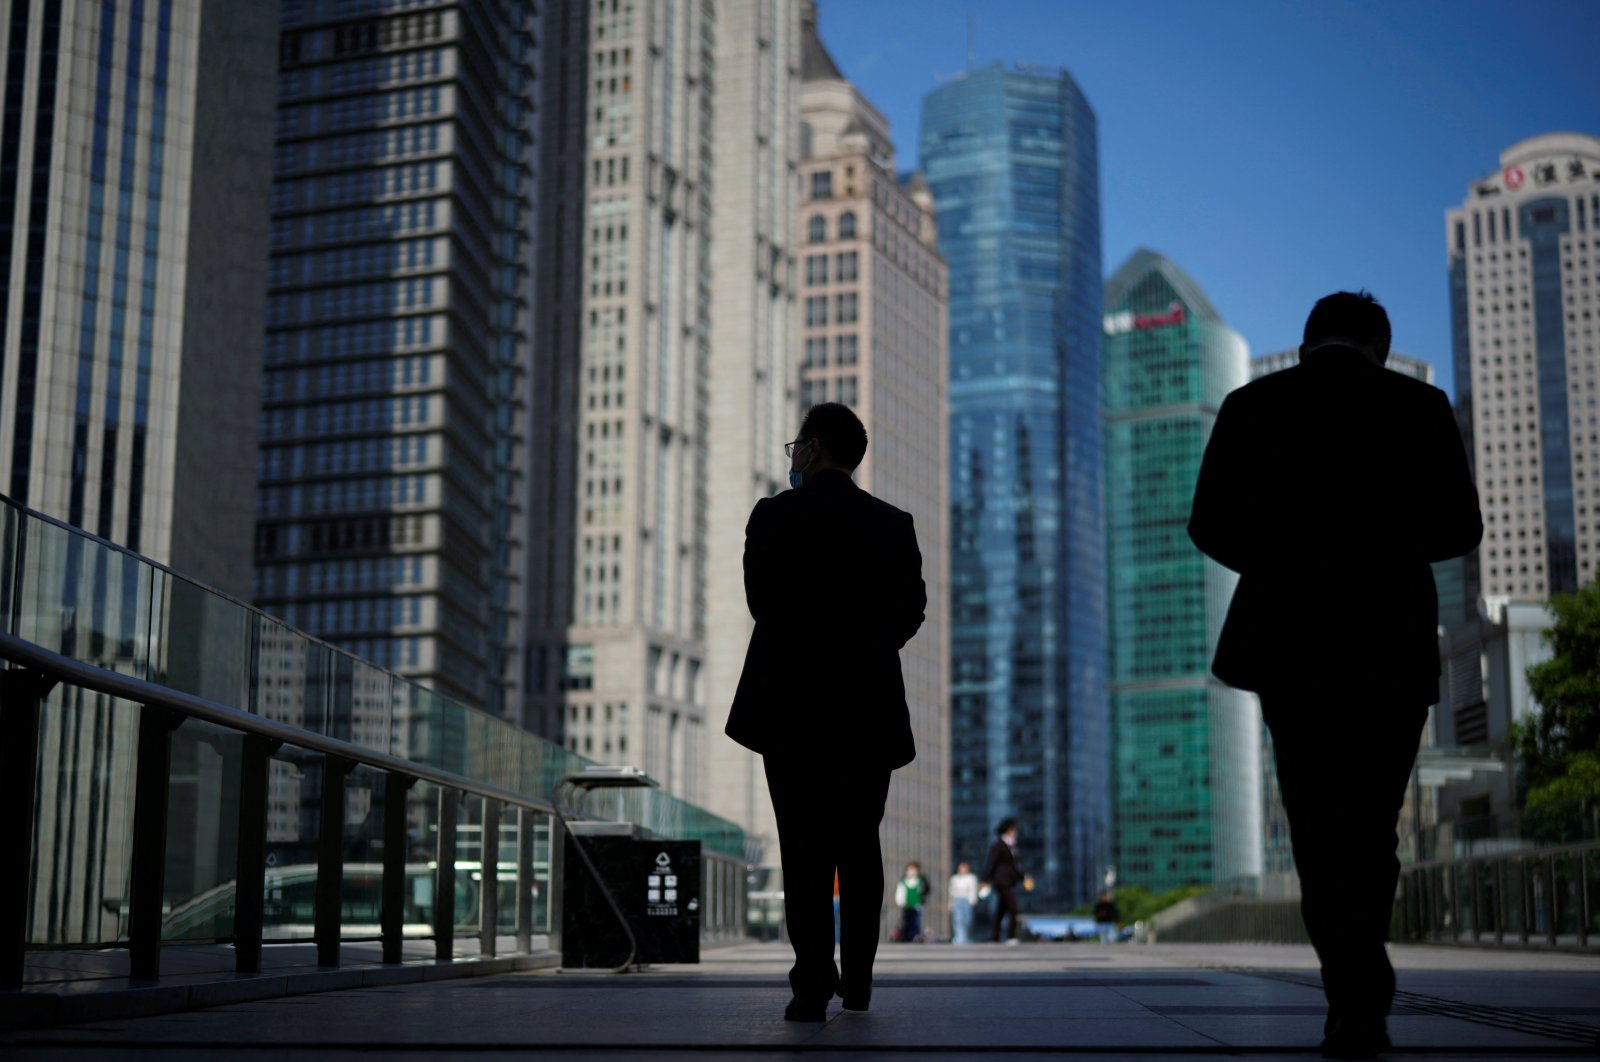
(833, 578)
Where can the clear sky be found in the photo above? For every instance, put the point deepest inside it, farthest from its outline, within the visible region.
(1274, 150)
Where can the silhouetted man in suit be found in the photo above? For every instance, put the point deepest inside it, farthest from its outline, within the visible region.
(1329, 487)
(834, 581)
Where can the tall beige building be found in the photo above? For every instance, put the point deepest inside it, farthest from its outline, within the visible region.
(662, 363)
(872, 324)
(1524, 257)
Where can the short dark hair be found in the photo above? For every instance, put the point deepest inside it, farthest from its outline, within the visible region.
(839, 430)
(1006, 826)
(1349, 315)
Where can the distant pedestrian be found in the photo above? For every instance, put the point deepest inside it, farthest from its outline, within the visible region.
(911, 894)
(1330, 487)
(1105, 917)
(1004, 874)
(963, 898)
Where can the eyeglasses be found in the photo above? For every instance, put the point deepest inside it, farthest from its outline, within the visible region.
(789, 447)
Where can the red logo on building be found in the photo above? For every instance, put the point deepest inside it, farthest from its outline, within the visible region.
(1173, 316)
(1515, 177)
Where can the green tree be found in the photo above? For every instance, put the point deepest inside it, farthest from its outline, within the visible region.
(1559, 746)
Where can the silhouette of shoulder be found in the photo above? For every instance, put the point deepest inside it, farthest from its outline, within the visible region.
(1299, 381)
(792, 501)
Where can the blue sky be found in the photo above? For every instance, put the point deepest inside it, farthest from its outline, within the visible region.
(1276, 151)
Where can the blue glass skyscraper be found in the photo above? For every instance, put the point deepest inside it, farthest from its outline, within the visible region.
(1011, 158)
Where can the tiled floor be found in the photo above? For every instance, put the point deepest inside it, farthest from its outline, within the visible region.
(1123, 1001)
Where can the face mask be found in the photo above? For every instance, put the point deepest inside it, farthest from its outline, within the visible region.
(796, 480)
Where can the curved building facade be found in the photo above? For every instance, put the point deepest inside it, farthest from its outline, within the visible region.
(1187, 782)
(1524, 258)
(1011, 157)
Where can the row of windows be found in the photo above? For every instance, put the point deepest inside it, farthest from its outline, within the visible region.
(367, 337)
(356, 38)
(846, 350)
(323, 618)
(846, 309)
(846, 267)
(337, 418)
(350, 263)
(817, 227)
(360, 75)
(346, 576)
(342, 495)
(815, 392)
(360, 112)
(364, 148)
(367, 223)
(356, 300)
(344, 456)
(347, 378)
(360, 186)
(349, 535)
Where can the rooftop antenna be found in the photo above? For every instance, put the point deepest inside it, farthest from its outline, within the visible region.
(972, 35)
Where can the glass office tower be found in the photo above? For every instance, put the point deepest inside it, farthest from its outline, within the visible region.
(1188, 748)
(1011, 158)
(396, 325)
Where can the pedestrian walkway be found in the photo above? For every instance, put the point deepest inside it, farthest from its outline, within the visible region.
(1122, 1001)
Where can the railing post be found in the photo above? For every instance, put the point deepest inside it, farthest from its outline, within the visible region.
(525, 880)
(489, 880)
(250, 865)
(1555, 900)
(146, 891)
(1583, 898)
(395, 787)
(1476, 870)
(1528, 903)
(1500, 900)
(330, 860)
(21, 695)
(444, 886)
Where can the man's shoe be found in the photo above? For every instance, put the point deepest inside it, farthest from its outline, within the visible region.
(1355, 1038)
(806, 1010)
(853, 1000)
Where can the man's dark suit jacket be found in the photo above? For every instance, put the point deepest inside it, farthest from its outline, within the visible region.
(834, 580)
(1330, 487)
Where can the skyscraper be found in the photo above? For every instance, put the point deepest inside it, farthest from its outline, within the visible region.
(873, 289)
(1012, 160)
(133, 189)
(397, 334)
(669, 317)
(1524, 253)
(1188, 770)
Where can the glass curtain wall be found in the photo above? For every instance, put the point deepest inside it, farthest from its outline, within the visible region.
(1012, 160)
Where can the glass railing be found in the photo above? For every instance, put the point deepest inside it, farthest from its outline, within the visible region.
(93, 602)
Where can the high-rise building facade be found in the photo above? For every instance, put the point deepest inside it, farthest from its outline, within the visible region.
(872, 286)
(134, 153)
(397, 333)
(1011, 157)
(667, 313)
(1187, 762)
(1524, 259)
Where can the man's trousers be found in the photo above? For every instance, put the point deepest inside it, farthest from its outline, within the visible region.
(1343, 765)
(828, 816)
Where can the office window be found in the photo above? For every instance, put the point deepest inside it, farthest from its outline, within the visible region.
(817, 229)
(817, 310)
(846, 267)
(847, 225)
(845, 307)
(816, 269)
(822, 185)
(847, 349)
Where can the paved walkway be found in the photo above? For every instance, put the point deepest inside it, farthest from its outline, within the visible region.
(1124, 1001)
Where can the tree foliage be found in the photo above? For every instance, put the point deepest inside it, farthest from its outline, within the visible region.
(1559, 746)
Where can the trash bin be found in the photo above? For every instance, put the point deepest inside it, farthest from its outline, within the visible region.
(655, 883)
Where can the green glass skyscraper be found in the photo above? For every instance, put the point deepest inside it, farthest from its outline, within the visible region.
(1187, 772)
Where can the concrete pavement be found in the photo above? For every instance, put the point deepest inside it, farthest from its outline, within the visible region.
(1123, 1001)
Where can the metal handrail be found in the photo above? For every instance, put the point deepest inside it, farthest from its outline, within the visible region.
(141, 691)
(1531, 850)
